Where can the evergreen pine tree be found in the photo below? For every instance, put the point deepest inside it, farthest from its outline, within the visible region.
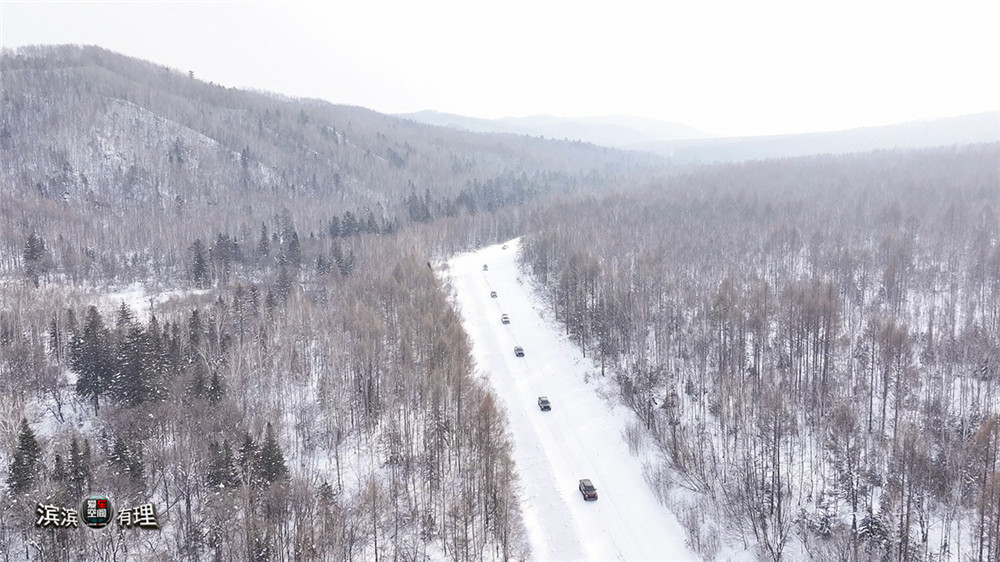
(338, 255)
(55, 339)
(125, 319)
(371, 225)
(271, 460)
(873, 530)
(347, 264)
(247, 457)
(34, 258)
(127, 459)
(286, 278)
(215, 387)
(253, 295)
(194, 350)
(78, 475)
(118, 457)
(322, 265)
(222, 470)
(232, 477)
(25, 463)
(287, 225)
(199, 263)
(130, 385)
(348, 226)
(334, 229)
(224, 253)
(264, 244)
(91, 358)
(326, 493)
(294, 252)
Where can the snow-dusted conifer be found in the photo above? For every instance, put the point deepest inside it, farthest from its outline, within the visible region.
(78, 473)
(91, 358)
(271, 460)
(26, 456)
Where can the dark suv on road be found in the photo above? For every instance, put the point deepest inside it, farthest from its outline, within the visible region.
(518, 351)
(544, 404)
(588, 490)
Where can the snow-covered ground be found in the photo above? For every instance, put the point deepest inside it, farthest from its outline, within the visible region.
(140, 298)
(582, 437)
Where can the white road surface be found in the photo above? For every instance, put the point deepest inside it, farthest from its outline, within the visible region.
(582, 437)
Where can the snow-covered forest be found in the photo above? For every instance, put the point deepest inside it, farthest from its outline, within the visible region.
(220, 302)
(231, 304)
(814, 343)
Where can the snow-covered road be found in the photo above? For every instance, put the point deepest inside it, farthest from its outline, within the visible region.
(582, 437)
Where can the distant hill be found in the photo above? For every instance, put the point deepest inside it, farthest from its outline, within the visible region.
(85, 131)
(966, 129)
(614, 131)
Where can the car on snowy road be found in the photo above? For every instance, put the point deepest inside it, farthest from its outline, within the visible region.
(486, 267)
(493, 294)
(544, 404)
(504, 319)
(518, 351)
(588, 489)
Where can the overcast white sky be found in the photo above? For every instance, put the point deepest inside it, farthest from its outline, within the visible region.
(731, 67)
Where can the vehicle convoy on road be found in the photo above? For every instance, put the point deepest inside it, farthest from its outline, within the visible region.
(518, 351)
(588, 489)
(504, 319)
(582, 438)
